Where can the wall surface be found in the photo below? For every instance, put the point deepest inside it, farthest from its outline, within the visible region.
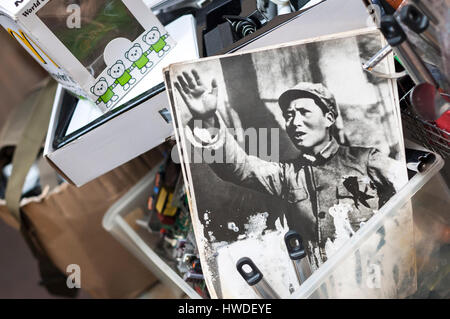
(19, 73)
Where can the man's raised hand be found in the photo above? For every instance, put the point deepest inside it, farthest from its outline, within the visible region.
(202, 103)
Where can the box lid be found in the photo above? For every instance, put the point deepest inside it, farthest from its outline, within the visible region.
(13, 8)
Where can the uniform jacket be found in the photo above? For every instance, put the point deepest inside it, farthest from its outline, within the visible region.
(328, 197)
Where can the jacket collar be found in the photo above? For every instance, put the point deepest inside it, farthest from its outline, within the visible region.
(327, 152)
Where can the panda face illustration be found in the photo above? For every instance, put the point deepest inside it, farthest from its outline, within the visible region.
(100, 87)
(134, 53)
(152, 36)
(117, 70)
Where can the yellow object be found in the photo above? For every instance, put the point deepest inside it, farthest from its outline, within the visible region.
(22, 36)
(161, 200)
(170, 210)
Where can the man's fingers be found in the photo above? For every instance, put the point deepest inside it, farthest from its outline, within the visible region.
(180, 90)
(215, 88)
(197, 78)
(183, 84)
(189, 80)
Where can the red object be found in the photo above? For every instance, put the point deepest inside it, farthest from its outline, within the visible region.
(445, 235)
(150, 203)
(394, 3)
(157, 180)
(166, 220)
(444, 122)
(200, 291)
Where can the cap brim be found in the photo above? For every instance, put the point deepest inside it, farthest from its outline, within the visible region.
(287, 97)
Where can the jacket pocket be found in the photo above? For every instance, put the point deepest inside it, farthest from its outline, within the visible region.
(362, 192)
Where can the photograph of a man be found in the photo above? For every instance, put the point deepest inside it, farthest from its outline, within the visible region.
(328, 155)
(324, 173)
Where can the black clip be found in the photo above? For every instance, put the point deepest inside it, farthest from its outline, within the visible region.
(414, 19)
(294, 245)
(425, 161)
(392, 31)
(418, 161)
(254, 276)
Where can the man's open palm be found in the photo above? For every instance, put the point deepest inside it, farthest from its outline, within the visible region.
(202, 103)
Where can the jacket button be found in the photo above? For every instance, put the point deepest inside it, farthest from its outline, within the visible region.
(322, 215)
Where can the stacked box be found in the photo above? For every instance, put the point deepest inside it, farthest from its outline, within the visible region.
(97, 49)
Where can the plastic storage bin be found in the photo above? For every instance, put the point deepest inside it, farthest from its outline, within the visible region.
(323, 283)
(428, 203)
(119, 221)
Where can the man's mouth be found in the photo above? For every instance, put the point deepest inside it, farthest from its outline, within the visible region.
(299, 135)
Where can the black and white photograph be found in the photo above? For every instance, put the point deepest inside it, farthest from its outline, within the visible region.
(292, 138)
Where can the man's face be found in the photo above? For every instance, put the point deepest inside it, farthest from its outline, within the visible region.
(307, 125)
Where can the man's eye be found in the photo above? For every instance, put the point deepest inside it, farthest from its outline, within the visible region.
(304, 112)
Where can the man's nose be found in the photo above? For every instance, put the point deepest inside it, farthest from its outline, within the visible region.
(298, 119)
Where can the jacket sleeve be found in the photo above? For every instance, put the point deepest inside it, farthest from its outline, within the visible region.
(231, 163)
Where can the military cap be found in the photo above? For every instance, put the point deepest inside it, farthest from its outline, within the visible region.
(316, 91)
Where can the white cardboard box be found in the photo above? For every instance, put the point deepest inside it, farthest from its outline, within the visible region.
(130, 133)
(98, 50)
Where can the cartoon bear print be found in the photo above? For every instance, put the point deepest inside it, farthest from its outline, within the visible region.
(139, 58)
(156, 42)
(121, 75)
(103, 91)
